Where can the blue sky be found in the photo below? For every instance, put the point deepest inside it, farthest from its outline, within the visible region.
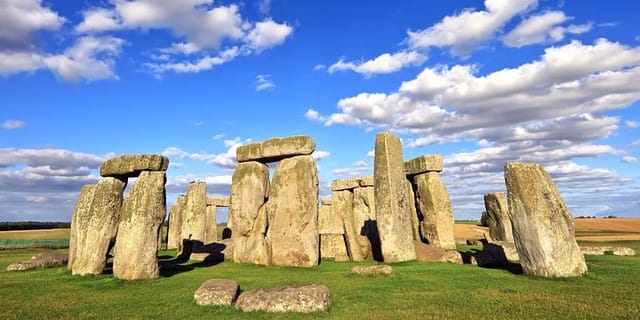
(480, 82)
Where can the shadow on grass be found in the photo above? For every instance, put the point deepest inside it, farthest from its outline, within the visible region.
(488, 260)
(209, 255)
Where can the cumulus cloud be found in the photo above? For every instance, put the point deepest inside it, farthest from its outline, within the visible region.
(225, 160)
(53, 158)
(319, 154)
(267, 34)
(264, 82)
(632, 124)
(383, 64)
(12, 124)
(20, 19)
(542, 28)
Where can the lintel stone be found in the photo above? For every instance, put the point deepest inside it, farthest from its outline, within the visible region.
(422, 164)
(131, 165)
(276, 149)
(345, 184)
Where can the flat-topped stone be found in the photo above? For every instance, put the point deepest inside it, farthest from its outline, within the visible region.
(131, 165)
(366, 181)
(345, 184)
(42, 260)
(600, 251)
(276, 149)
(381, 269)
(217, 292)
(422, 164)
(218, 202)
(298, 298)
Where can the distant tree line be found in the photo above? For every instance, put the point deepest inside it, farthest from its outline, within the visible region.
(32, 225)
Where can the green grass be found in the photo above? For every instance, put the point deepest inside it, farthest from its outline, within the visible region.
(416, 291)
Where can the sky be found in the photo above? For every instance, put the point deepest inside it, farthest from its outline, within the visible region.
(480, 82)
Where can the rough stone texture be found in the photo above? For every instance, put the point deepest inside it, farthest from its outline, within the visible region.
(366, 181)
(276, 149)
(217, 292)
(422, 164)
(247, 213)
(133, 165)
(343, 206)
(543, 227)
(329, 221)
(42, 260)
(498, 216)
(293, 213)
(428, 253)
(392, 210)
(413, 211)
(616, 251)
(298, 298)
(333, 246)
(501, 250)
(364, 216)
(452, 257)
(194, 219)
(97, 229)
(345, 184)
(219, 202)
(211, 226)
(435, 208)
(82, 209)
(135, 252)
(382, 270)
(176, 213)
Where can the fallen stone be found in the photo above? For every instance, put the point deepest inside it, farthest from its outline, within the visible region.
(616, 251)
(82, 209)
(345, 184)
(543, 227)
(131, 165)
(428, 253)
(382, 270)
(422, 164)
(276, 149)
(42, 260)
(498, 216)
(435, 207)
(217, 292)
(297, 298)
(503, 250)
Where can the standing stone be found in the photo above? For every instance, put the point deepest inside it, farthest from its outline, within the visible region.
(364, 215)
(211, 232)
(498, 214)
(176, 213)
(81, 210)
(135, 252)
(97, 230)
(293, 213)
(435, 207)
(195, 218)
(342, 205)
(392, 210)
(247, 213)
(331, 230)
(543, 227)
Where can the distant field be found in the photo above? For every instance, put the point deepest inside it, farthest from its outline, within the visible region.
(35, 234)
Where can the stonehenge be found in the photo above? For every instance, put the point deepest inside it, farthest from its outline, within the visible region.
(498, 216)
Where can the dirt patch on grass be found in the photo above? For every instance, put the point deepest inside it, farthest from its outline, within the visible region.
(468, 231)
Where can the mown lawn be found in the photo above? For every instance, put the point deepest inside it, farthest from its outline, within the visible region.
(416, 291)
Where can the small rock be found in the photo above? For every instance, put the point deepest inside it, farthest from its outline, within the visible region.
(298, 298)
(616, 251)
(376, 270)
(217, 292)
(451, 257)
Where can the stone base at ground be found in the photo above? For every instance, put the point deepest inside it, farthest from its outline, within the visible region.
(217, 292)
(383, 270)
(43, 260)
(600, 251)
(299, 298)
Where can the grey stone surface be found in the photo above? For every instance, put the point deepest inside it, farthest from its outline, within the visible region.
(329, 221)
(498, 216)
(435, 207)
(194, 218)
(383, 270)
(218, 202)
(217, 292)
(333, 246)
(423, 164)
(80, 211)
(42, 260)
(364, 218)
(132, 165)
(343, 206)
(297, 298)
(276, 149)
(616, 251)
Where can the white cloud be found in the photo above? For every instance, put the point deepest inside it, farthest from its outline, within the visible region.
(629, 159)
(383, 64)
(314, 115)
(54, 158)
(319, 67)
(13, 124)
(319, 155)
(632, 124)
(264, 82)
(466, 31)
(542, 28)
(203, 64)
(267, 34)
(99, 20)
(19, 19)
(218, 136)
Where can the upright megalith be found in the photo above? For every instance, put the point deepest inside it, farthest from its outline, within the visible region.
(135, 251)
(342, 206)
(96, 231)
(127, 166)
(331, 231)
(247, 214)
(435, 207)
(364, 215)
(276, 149)
(392, 210)
(498, 216)
(81, 211)
(543, 227)
(174, 238)
(211, 225)
(292, 212)
(195, 212)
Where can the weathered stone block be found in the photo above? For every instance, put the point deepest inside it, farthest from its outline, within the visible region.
(498, 216)
(218, 202)
(422, 164)
(435, 208)
(298, 298)
(343, 206)
(345, 184)
(132, 165)
(211, 225)
(333, 246)
(276, 149)
(382, 270)
(543, 227)
(366, 181)
(329, 222)
(81, 211)
(176, 213)
(217, 292)
(194, 219)
(364, 216)
(42, 260)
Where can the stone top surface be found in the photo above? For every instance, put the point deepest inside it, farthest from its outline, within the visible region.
(366, 181)
(276, 149)
(345, 184)
(131, 165)
(422, 164)
(218, 202)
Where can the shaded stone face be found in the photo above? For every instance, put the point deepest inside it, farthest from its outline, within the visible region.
(435, 207)
(97, 229)
(364, 216)
(422, 164)
(133, 165)
(298, 298)
(392, 210)
(543, 227)
(343, 207)
(195, 212)
(81, 211)
(135, 252)
(176, 213)
(413, 211)
(366, 181)
(276, 149)
(293, 213)
(498, 214)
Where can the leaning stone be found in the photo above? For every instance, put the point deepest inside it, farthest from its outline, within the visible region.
(194, 219)
(422, 164)
(131, 165)
(217, 292)
(435, 207)
(297, 298)
(392, 210)
(174, 240)
(276, 149)
(292, 213)
(42, 260)
(382, 270)
(345, 184)
(543, 227)
(498, 216)
(135, 252)
(97, 229)
(82, 209)
(616, 251)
